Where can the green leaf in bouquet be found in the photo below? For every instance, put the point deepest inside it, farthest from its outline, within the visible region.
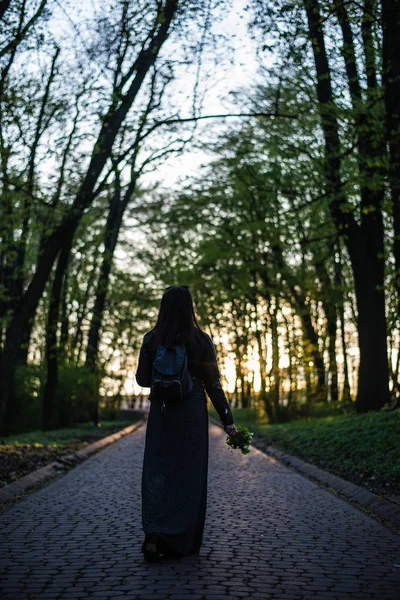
(241, 441)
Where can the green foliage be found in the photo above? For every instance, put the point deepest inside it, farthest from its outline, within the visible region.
(74, 401)
(307, 410)
(361, 448)
(28, 399)
(247, 235)
(251, 233)
(109, 411)
(76, 394)
(62, 437)
(295, 411)
(241, 441)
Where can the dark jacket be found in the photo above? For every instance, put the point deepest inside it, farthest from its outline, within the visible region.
(202, 364)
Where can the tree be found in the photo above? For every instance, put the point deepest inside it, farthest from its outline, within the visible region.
(125, 90)
(357, 217)
(391, 84)
(228, 225)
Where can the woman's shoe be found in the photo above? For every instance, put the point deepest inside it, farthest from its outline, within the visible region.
(172, 553)
(150, 548)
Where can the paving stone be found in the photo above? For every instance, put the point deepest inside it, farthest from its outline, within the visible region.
(270, 533)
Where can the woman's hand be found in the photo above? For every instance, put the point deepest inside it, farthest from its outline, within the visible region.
(230, 429)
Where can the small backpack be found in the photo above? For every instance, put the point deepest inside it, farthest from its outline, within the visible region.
(171, 381)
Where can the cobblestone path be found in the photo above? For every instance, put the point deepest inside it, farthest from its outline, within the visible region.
(270, 533)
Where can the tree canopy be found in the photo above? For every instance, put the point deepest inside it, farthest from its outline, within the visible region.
(130, 160)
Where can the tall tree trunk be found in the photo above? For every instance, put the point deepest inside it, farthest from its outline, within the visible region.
(396, 382)
(302, 308)
(113, 226)
(333, 368)
(364, 243)
(249, 391)
(266, 396)
(263, 372)
(329, 307)
(64, 330)
(290, 357)
(240, 377)
(261, 351)
(346, 392)
(243, 395)
(49, 414)
(77, 340)
(311, 345)
(307, 377)
(114, 221)
(19, 269)
(371, 152)
(15, 273)
(391, 83)
(275, 370)
(339, 293)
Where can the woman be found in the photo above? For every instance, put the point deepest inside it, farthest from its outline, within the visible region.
(175, 465)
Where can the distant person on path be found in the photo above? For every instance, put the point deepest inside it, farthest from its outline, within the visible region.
(175, 465)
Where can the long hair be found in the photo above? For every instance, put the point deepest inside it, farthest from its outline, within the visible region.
(176, 322)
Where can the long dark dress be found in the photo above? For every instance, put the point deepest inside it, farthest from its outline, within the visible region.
(175, 464)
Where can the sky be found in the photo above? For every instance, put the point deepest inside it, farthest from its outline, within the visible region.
(235, 69)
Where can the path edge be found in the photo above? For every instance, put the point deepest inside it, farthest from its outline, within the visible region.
(62, 464)
(388, 512)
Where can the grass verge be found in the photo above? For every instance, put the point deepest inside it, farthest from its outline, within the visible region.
(22, 453)
(363, 449)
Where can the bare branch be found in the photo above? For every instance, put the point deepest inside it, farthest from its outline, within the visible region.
(4, 4)
(221, 116)
(22, 33)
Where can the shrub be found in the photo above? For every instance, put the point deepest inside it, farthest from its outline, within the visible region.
(26, 413)
(304, 410)
(76, 397)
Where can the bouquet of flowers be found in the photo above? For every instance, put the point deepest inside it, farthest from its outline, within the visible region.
(241, 440)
